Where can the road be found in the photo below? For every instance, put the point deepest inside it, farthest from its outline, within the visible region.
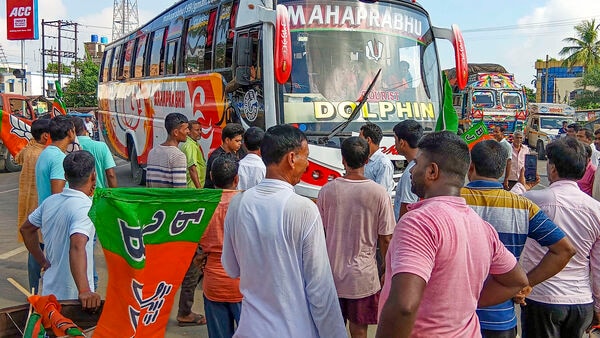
(13, 255)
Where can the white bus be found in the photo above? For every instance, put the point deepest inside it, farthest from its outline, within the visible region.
(221, 61)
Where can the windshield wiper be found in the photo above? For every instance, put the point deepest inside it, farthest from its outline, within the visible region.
(339, 128)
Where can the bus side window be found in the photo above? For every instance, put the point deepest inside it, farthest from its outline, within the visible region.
(171, 57)
(114, 65)
(195, 43)
(224, 35)
(208, 51)
(127, 58)
(107, 57)
(138, 61)
(156, 53)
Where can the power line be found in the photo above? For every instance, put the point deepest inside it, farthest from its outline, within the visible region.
(543, 24)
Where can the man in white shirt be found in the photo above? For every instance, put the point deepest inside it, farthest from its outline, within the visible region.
(407, 135)
(274, 241)
(68, 233)
(586, 136)
(252, 170)
(89, 126)
(565, 305)
(379, 168)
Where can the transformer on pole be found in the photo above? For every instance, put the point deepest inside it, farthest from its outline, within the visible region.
(125, 17)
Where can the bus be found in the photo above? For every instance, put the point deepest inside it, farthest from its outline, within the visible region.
(326, 67)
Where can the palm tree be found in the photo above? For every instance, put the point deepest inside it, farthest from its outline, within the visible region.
(585, 48)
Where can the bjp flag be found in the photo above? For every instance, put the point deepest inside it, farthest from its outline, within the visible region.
(477, 133)
(15, 133)
(149, 237)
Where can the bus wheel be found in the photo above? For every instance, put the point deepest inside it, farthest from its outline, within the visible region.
(138, 174)
(541, 150)
(11, 165)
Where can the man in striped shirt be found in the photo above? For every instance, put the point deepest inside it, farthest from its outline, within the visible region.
(167, 168)
(515, 218)
(167, 165)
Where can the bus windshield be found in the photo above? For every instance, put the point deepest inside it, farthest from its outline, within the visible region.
(338, 48)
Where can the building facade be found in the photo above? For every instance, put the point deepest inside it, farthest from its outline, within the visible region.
(556, 83)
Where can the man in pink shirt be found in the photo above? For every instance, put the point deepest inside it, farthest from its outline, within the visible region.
(586, 182)
(444, 260)
(357, 213)
(566, 304)
(517, 160)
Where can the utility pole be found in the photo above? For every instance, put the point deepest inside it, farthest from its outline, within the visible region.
(546, 81)
(60, 27)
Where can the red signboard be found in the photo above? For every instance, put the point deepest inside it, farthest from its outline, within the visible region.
(21, 19)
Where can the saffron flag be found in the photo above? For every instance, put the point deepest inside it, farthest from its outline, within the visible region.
(15, 133)
(149, 237)
(447, 120)
(477, 133)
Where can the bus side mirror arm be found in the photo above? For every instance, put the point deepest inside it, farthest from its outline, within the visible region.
(267, 15)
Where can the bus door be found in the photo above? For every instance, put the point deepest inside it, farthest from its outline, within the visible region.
(246, 90)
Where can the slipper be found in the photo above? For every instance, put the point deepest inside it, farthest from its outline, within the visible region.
(198, 320)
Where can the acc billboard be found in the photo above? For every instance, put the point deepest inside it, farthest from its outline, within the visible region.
(21, 19)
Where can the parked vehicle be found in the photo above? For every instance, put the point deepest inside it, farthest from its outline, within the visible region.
(492, 96)
(17, 112)
(543, 123)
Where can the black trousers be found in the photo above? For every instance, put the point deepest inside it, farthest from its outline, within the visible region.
(555, 321)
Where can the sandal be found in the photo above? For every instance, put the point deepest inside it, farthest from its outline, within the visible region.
(198, 319)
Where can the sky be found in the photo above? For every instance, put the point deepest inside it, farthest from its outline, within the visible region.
(513, 33)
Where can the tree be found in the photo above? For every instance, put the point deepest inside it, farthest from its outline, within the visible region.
(53, 67)
(82, 90)
(588, 99)
(529, 94)
(585, 48)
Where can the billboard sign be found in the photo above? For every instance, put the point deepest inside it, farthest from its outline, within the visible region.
(22, 19)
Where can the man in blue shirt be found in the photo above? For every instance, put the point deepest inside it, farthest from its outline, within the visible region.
(515, 218)
(406, 135)
(49, 172)
(68, 232)
(379, 168)
(50, 175)
(105, 163)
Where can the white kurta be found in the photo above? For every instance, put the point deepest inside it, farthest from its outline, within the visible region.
(275, 242)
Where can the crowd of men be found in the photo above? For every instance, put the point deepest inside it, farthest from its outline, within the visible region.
(444, 258)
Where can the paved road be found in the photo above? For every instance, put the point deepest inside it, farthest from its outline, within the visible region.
(13, 256)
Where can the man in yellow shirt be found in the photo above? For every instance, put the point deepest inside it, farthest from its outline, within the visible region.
(196, 166)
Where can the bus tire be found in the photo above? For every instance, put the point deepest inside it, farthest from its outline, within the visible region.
(11, 165)
(541, 150)
(138, 174)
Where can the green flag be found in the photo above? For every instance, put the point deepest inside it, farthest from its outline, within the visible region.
(477, 133)
(149, 236)
(448, 120)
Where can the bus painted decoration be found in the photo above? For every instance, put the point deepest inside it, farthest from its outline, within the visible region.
(460, 55)
(144, 103)
(283, 50)
(353, 15)
(149, 237)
